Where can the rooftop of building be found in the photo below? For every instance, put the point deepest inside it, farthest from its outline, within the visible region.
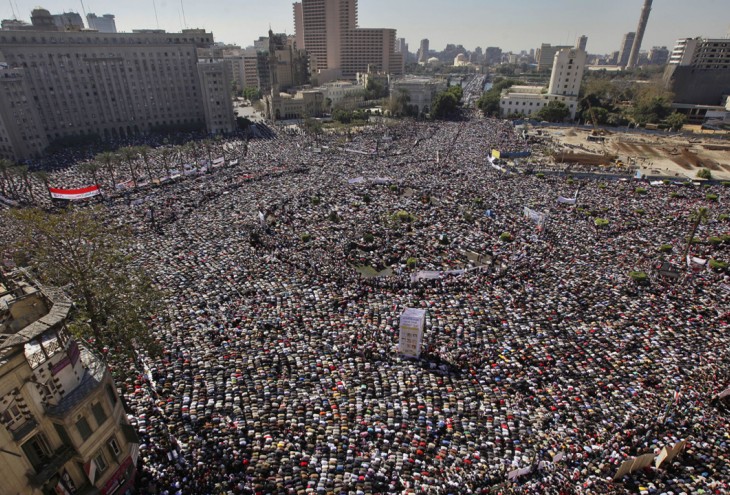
(27, 311)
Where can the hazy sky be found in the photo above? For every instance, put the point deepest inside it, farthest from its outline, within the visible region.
(510, 24)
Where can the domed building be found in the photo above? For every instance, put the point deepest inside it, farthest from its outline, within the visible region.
(460, 60)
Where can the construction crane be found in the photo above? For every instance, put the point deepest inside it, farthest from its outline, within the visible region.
(596, 131)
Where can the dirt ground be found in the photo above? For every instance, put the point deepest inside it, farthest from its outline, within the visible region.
(653, 153)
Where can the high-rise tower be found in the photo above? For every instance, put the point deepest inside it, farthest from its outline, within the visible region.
(643, 20)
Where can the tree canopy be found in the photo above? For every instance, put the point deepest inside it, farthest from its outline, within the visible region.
(554, 111)
(75, 250)
(445, 103)
(488, 103)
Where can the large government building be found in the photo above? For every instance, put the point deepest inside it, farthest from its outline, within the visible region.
(57, 85)
(63, 428)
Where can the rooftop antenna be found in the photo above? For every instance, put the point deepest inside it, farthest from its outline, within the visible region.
(154, 6)
(13, 9)
(182, 7)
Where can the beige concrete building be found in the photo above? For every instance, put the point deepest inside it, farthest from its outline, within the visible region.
(250, 69)
(283, 106)
(567, 73)
(232, 57)
(420, 90)
(324, 26)
(371, 50)
(107, 84)
(546, 53)
(337, 47)
(565, 82)
(64, 429)
(342, 93)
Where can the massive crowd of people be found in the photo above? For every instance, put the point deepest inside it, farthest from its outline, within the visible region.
(281, 374)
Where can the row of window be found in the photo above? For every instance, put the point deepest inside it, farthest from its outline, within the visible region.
(131, 40)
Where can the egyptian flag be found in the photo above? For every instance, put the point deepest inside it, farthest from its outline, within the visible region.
(81, 193)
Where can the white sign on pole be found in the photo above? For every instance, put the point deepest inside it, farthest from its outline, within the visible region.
(412, 323)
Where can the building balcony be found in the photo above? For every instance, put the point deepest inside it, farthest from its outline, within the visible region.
(55, 461)
(24, 430)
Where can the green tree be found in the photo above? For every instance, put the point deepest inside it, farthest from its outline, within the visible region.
(44, 177)
(399, 104)
(704, 173)
(92, 168)
(554, 111)
(8, 184)
(342, 116)
(312, 127)
(109, 163)
(443, 105)
(488, 103)
(166, 154)
(144, 151)
(75, 249)
(251, 93)
(700, 215)
(651, 104)
(676, 121)
(457, 91)
(129, 155)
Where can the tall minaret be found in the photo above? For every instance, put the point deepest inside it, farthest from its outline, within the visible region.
(643, 20)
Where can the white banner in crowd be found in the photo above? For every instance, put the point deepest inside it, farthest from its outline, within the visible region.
(519, 472)
(494, 165)
(430, 275)
(217, 162)
(567, 201)
(633, 464)
(660, 458)
(375, 180)
(695, 262)
(642, 462)
(412, 323)
(534, 215)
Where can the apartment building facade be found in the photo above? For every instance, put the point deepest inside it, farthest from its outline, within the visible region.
(64, 429)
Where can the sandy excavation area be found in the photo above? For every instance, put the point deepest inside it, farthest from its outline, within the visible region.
(671, 155)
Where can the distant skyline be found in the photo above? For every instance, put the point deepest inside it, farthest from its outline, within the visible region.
(513, 26)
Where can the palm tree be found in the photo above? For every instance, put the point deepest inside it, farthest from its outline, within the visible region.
(22, 172)
(166, 154)
(193, 149)
(208, 144)
(43, 176)
(701, 215)
(108, 161)
(7, 185)
(129, 154)
(91, 168)
(218, 139)
(144, 152)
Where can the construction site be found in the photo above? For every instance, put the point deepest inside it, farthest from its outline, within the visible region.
(653, 153)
